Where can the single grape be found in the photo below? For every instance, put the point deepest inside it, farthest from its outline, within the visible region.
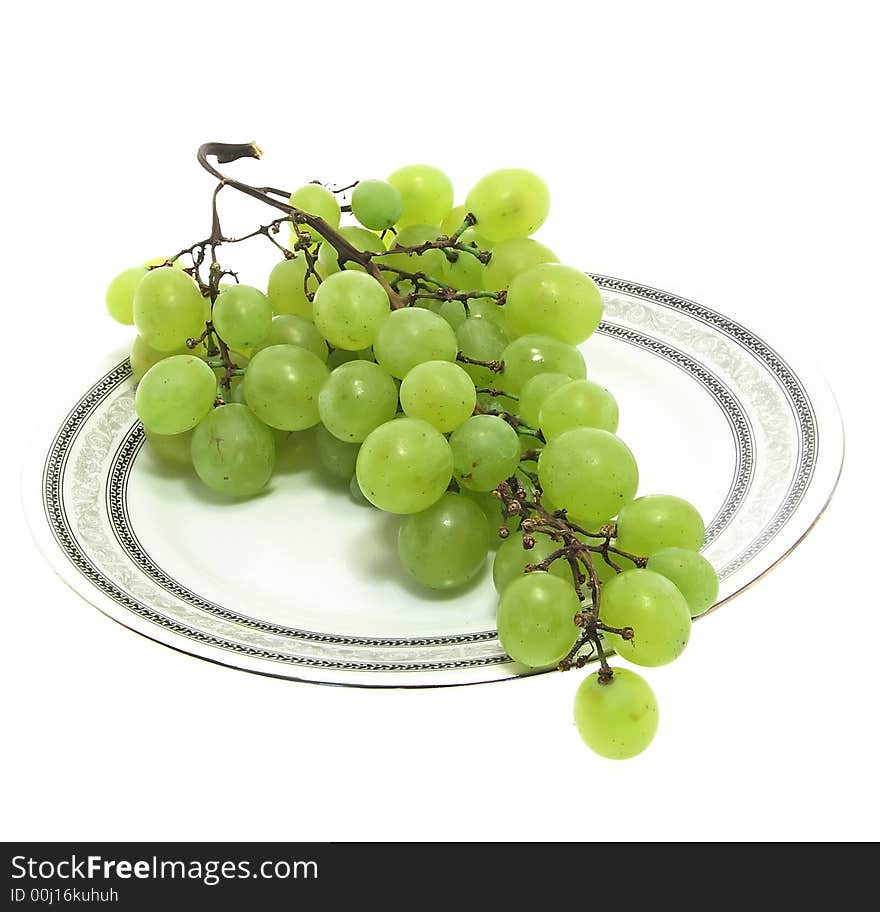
(485, 450)
(580, 403)
(334, 455)
(555, 300)
(287, 287)
(356, 399)
(426, 193)
(144, 356)
(452, 222)
(512, 557)
(341, 356)
(242, 316)
(432, 261)
(168, 309)
(233, 452)
(440, 393)
(363, 240)
(175, 394)
(589, 472)
(493, 511)
(411, 336)
(446, 545)
(482, 340)
(173, 448)
(452, 312)
(348, 309)
(659, 521)
(510, 203)
(120, 295)
(291, 329)
(404, 466)
(281, 386)
(512, 257)
(533, 393)
(489, 310)
(656, 611)
(617, 719)
(317, 200)
(530, 355)
(693, 576)
(357, 495)
(376, 204)
(536, 619)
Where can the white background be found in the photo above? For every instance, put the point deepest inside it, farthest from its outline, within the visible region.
(726, 152)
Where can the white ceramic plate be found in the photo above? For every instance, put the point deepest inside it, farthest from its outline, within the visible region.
(304, 583)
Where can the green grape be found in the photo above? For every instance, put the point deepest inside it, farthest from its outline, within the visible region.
(485, 341)
(348, 309)
(242, 316)
(485, 450)
(426, 193)
(440, 393)
(452, 222)
(404, 466)
(357, 494)
(693, 576)
(510, 258)
(536, 619)
(120, 295)
(465, 272)
(510, 203)
(589, 472)
(452, 312)
(358, 397)
(175, 394)
(173, 448)
(341, 356)
(580, 403)
(659, 521)
(287, 284)
(432, 261)
(489, 310)
(334, 455)
(617, 719)
(533, 393)
(656, 611)
(233, 452)
(411, 336)
(445, 545)
(376, 204)
(512, 557)
(530, 355)
(363, 240)
(555, 300)
(281, 386)
(291, 329)
(317, 200)
(168, 309)
(494, 513)
(497, 403)
(144, 356)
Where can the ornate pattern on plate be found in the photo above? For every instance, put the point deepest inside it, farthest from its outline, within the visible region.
(765, 404)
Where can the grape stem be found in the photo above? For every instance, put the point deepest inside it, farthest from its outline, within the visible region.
(580, 555)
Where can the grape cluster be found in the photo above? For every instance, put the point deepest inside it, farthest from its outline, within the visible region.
(430, 354)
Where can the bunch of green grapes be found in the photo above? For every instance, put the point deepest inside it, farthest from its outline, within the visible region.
(431, 353)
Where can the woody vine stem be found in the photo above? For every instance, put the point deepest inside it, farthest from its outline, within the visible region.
(520, 495)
